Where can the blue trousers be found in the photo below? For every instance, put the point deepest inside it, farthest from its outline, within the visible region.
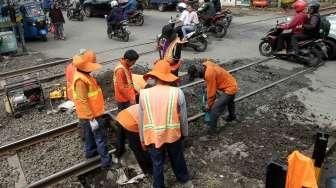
(96, 142)
(175, 153)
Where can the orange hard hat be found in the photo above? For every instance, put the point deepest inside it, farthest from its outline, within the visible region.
(299, 5)
(161, 71)
(86, 62)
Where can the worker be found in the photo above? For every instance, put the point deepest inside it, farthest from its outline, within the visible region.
(217, 79)
(89, 103)
(122, 80)
(163, 124)
(129, 120)
(69, 72)
(124, 92)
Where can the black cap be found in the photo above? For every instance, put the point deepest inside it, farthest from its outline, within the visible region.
(131, 55)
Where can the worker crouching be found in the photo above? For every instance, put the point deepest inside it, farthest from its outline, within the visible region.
(163, 123)
(129, 120)
(216, 79)
(89, 102)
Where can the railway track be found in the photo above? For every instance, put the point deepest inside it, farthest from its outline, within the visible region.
(324, 11)
(91, 164)
(23, 143)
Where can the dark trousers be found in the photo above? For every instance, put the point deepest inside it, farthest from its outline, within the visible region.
(141, 156)
(284, 38)
(296, 38)
(121, 137)
(175, 153)
(96, 142)
(222, 102)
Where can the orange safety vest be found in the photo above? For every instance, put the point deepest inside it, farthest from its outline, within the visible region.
(69, 73)
(161, 122)
(128, 76)
(301, 171)
(95, 96)
(169, 55)
(138, 82)
(129, 118)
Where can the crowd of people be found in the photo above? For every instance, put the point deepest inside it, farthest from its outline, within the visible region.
(152, 110)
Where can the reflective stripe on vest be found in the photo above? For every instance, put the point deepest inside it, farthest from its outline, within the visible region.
(159, 129)
(128, 76)
(95, 96)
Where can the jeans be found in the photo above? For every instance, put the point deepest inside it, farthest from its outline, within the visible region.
(121, 137)
(96, 142)
(187, 29)
(141, 156)
(222, 102)
(175, 153)
(59, 30)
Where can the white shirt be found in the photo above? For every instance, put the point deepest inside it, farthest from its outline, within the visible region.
(189, 18)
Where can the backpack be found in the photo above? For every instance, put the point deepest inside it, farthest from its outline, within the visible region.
(324, 27)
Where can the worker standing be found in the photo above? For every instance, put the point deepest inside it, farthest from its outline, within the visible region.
(216, 79)
(89, 102)
(163, 123)
(122, 80)
(129, 120)
(124, 92)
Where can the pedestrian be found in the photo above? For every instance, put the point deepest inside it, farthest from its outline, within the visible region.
(129, 120)
(217, 79)
(57, 19)
(89, 103)
(124, 91)
(163, 124)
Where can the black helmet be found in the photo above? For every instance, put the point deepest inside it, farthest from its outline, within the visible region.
(314, 6)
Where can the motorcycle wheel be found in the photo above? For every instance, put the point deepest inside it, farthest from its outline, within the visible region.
(265, 48)
(68, 14)
(331, 47)
(45, 38)
(139, 21)
(203, 44)
(220, 30)
(125, 37)
(315, 58)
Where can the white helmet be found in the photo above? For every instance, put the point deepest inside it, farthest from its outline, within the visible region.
(114, 4)
(181, 6)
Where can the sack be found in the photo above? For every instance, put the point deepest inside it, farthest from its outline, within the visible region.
(325, 27)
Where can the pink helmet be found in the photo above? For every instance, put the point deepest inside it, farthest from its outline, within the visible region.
(299, 5)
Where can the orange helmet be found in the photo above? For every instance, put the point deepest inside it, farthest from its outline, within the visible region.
(299, 5)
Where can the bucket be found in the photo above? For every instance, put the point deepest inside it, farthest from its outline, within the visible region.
(7, 42)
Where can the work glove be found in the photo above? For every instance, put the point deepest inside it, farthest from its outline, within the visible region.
(94, 125)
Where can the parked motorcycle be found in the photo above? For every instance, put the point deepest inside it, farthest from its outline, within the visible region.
(121, 32)
(311, 52)
(136, 18)
(217, 25)
(75, 13)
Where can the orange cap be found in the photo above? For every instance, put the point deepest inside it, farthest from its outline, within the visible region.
(86, 62)
(162, 71)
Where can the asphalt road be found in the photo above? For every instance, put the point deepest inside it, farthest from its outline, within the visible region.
(241, 41)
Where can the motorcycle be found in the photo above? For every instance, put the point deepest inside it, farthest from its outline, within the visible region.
(311, 52)
(121, 32)
(196, 39)
(217, 25)
(75, 13)
(136, 18)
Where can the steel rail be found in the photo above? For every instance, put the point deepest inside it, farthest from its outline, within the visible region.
(94, 163)
(31, 140)
(59, 62)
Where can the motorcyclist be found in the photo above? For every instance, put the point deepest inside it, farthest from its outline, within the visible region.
(116, 15)
(207, 11)
(217, 5)
(295, 25)
(311, 29)
(190, 19)
(130, 7)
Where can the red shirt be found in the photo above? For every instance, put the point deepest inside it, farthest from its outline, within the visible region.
(296, 23)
